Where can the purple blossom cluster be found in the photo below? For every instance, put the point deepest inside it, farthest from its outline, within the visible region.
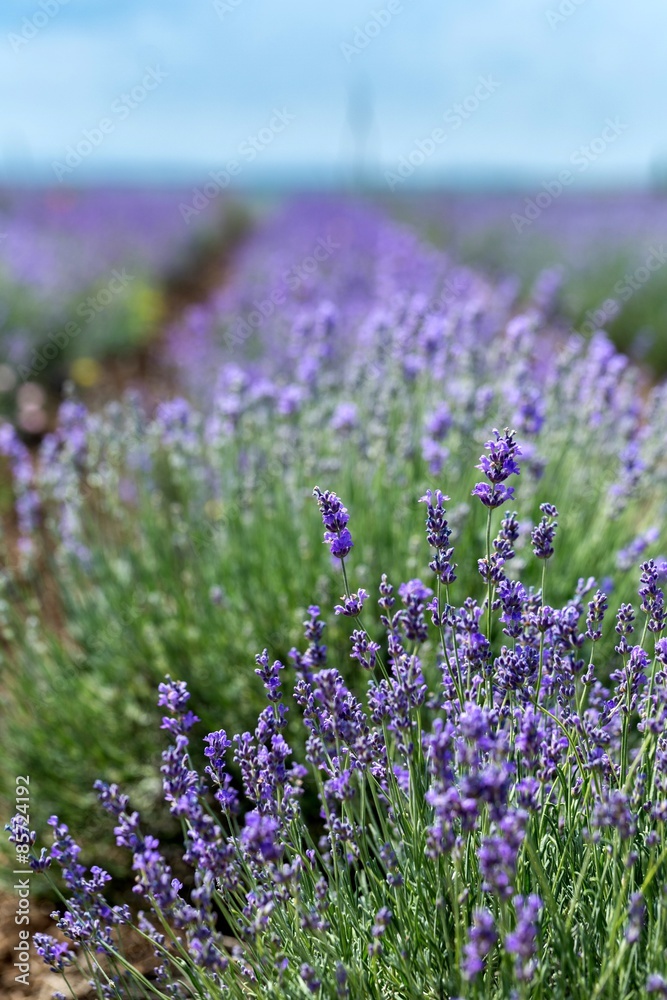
(335, 518)
(497, 466)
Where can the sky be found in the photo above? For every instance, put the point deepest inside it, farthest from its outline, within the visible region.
(415, 90)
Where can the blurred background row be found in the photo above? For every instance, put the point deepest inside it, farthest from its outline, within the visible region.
(141, 143)
(93, 281)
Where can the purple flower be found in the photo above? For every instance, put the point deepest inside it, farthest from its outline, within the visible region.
(215, 751)
(20, 833)
(174, 695)
(310, 977)
(364, 649)
(498, 854)
(492, 570)
(334, 519)
(56, 954)
(657, 984)
(414, 595)
(353, 605)
(493, 496)
(382, 920)
(653, 599)
(481, 939)
(627, 557)
(661, 651)
(507, 536)
(631, 677)
(259, 837)
(497, 466)
(270, 675)
(636, 918)
(521, 942)
(542, 536)
(342, 990)
(218, 744)
(625, 626)
(345, 417)
(595, 616)
(501, 462)
(614, 810)
(438, 533)
(316, 654)
(512, 595)
(438, 423)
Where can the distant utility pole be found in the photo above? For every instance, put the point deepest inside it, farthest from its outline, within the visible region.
(360, 123)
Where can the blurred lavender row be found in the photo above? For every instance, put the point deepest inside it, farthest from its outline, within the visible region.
(318, 281)
(386, 347)
(57, 243)
(82, 279)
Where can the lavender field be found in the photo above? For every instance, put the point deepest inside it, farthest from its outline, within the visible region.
(332, 622)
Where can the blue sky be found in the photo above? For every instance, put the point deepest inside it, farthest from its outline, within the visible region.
(400, 65)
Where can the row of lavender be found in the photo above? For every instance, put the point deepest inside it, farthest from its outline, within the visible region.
(323, 270)
(474, 835)
(80, 279)
(603, 252)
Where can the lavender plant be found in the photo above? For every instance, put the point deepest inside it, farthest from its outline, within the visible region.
(491, 814)
(181, 537)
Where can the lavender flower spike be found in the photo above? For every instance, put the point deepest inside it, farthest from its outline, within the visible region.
(500, 463)
(438, 533)
(497, 466)
(542, 535)
(334, 519)
(482, 938)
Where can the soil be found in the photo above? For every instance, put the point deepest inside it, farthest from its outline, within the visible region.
(42, 982)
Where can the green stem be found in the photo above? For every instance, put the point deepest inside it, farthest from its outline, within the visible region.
(538, 686)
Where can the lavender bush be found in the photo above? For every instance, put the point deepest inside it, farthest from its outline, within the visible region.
(492, 812)
(181, 539)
